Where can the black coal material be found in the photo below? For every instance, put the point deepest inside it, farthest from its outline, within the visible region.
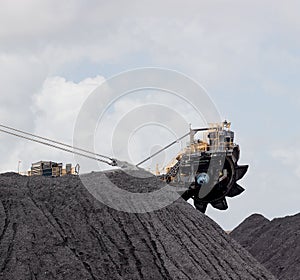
(53, 228)
(275, 244)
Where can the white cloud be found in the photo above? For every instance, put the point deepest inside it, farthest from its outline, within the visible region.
(58, 104)
(54, 109)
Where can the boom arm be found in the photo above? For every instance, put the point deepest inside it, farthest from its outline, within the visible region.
(57, 145)
(172, 143)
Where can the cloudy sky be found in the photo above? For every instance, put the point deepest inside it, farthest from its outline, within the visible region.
(53, 54)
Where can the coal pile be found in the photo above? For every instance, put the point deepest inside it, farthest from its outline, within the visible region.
(53, 228)
(275, 244)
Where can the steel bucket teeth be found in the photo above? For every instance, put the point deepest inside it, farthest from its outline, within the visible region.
(240, 171)
(235, 190)
(220, 204)
(200, 205)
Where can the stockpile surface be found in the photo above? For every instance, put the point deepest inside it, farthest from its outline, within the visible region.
(275, 244)
(53, 228)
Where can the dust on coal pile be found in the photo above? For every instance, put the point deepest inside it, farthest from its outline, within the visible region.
(275, 244)
(53, 228)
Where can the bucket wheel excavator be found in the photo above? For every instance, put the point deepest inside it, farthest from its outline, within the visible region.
(208, 169)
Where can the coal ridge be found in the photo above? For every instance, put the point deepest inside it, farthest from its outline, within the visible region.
(53, 228)
(275, 244)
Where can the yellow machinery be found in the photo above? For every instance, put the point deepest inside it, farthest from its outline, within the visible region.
(208, 167)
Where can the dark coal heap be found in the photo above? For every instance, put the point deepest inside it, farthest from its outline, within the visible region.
(275, 244)
(53, 228)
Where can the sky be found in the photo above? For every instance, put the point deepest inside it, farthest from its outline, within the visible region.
(53, 54)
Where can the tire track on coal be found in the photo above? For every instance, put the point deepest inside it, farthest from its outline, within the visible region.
(237, 254)
(104, 248)
(86, 206)
(10, 248)
(11, 243)
(211, 258)
(246, 258)
(130, 244)
(63, 236)
(6, 222)
(32, 274)
(59, 230)
(173, 230)
(158, 243)
(209, 239)
(151, 245)
(89, 206)
(197, 264)
(201, 248)
(154, 253)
